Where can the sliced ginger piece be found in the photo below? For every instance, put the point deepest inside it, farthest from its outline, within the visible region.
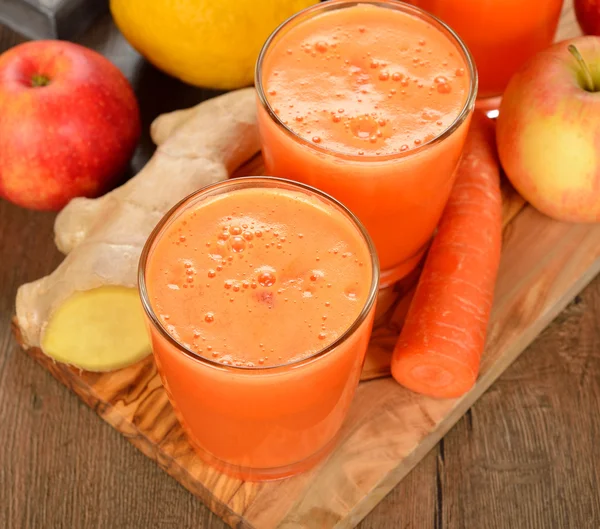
(98, 330)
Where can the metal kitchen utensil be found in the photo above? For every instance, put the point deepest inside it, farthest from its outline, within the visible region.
(50, 19)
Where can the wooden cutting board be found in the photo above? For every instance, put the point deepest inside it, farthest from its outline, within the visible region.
(389, 429)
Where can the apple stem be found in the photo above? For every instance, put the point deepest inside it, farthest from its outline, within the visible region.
(38, 80)
(587, 74)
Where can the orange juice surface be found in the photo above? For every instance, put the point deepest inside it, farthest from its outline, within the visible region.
(252, 279)
(501, 34)
(259, 277)
(365, 92)
(366, 81)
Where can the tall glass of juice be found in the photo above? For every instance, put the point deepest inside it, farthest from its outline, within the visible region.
(369, 101)
(501, 34)
(259, 295)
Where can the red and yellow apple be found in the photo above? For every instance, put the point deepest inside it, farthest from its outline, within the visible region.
(588, 16)
(548, 130)
(69, 122)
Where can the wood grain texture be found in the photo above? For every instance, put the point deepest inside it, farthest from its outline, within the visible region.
(523, 456)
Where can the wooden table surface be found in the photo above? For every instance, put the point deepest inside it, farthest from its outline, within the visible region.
(526, 456)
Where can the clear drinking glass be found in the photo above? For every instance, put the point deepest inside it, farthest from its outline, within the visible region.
(398, 197)
(262, 422)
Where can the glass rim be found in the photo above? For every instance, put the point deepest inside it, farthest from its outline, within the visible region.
(389, 4)
(267, 182)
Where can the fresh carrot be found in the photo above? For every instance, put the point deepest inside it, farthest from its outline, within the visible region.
(440, 346)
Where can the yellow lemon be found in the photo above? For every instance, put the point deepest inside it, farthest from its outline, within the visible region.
(212, 43)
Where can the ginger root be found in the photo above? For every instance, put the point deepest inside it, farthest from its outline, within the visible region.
(87, 313)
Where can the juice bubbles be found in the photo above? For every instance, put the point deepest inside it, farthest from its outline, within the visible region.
(369, 102)
(501, 34)
(260, 297)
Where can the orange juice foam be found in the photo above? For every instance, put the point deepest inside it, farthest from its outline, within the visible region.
(259, 277)
(366, 80)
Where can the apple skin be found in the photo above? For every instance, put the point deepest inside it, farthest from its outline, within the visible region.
(72, 137)
(588, 16)
(548, 133)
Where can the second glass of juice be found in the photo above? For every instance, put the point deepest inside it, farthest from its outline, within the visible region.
(369, 101)
(259, 295)
(501, 34)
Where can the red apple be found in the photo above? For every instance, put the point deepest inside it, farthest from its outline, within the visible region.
(588, 16)
(548, 130)
(69, 123)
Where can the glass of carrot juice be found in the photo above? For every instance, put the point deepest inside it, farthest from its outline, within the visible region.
(259, 295)
(369, 101)
(501, 34)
